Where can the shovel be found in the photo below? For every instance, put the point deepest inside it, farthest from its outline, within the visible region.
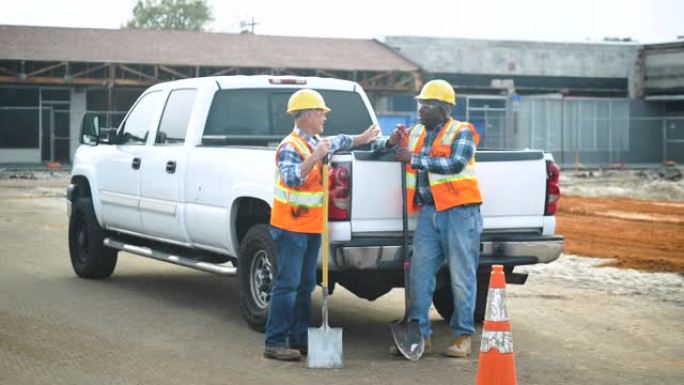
(325, 343)
(406, 333)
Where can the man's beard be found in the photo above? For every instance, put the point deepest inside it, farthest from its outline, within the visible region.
(430, 122)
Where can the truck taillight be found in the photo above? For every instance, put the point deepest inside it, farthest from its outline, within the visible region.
(552, 187)
(340, 191)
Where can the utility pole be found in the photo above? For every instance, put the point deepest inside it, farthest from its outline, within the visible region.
(251, 24)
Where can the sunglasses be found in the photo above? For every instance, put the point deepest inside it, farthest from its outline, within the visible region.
(428, 104)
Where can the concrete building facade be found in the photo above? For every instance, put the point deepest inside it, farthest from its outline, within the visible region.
(589, 103)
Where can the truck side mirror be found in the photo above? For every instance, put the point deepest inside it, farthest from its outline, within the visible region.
(90, 129)
(107, 135)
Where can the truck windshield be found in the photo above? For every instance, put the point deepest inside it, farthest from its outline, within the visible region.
(261, 112)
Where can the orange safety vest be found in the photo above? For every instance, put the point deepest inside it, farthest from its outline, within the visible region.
(300, 208)
(448, 190)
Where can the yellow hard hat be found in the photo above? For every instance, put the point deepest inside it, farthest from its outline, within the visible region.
(438, 90)
(306, 99)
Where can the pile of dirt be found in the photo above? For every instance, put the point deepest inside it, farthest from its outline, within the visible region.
(646, 235)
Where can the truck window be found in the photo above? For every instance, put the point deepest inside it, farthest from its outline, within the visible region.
(174, 120)
(262, 112)
(137, 125)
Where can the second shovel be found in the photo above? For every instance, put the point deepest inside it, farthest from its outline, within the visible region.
(406, 333)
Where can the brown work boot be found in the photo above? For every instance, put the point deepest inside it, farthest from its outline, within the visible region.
(282, 353)
(394, 351)
(459, 348)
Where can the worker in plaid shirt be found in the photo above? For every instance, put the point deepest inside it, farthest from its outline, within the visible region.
(289, 160)
(443, 187)
(297, 221)
(463, 148)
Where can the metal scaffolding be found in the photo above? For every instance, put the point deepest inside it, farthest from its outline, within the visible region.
(131, 74)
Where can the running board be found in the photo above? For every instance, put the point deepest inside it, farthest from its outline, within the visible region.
(214, 268)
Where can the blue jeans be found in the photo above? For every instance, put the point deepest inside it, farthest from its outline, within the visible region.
(290, 307)
(453, 236)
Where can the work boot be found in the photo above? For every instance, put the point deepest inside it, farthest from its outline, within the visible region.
(459, 348)
(303, 348)
(282, 353)
(394, 351)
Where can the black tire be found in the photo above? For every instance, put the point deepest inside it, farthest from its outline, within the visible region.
(257, 267)
(90, 258)
(444, 300)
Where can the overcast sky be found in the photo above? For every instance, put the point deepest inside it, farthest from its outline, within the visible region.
(544, 20)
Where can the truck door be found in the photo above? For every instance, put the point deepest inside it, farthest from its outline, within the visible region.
(118, 173)
(164, 170)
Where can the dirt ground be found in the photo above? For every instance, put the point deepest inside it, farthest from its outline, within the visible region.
(155, 323)
(641, 234)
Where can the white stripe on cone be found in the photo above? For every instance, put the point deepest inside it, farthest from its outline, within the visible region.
(501, 341)
(496, 305)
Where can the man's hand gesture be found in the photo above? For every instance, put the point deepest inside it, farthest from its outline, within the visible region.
(367, 136)
(397, 135)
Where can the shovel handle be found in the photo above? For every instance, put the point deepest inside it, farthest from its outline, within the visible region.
(325, 242)
(405, 243)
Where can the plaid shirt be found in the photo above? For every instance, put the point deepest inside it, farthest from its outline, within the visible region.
(462, 149)
(290, 162)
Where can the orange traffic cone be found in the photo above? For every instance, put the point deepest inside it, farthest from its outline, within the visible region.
(497, 361)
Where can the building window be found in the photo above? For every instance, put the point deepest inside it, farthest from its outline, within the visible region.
(19, 127)
(590, 124)
(18, 97)
(19, 118)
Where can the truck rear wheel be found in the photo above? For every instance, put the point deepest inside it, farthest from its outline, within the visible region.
(90, 258)
(256, 266)
(444, 300)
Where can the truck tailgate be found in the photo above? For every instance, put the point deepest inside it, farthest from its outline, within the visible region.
(513, 186)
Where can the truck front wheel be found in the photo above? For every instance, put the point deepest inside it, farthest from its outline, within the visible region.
(90, 258)
(444, 301)
(256, 266)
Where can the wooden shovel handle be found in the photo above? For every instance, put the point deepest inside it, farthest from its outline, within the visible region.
(325, 242)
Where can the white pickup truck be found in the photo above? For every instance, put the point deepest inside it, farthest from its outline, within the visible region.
(188, 178)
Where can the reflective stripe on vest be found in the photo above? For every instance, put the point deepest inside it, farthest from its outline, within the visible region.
(298, 198)
(468, 172)
(417, 132)
(450, 134)
(299, 146)
(415, 143)
(411, 179)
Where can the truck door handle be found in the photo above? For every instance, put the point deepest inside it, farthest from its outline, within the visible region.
(171, 167)
(136, 164)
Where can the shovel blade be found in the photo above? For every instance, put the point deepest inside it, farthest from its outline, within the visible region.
(408, 339)
(325, 347)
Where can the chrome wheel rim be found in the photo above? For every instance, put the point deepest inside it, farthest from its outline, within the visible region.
(262, 278)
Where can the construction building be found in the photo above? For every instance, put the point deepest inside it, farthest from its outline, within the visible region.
(590, 103)
(593, 103)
